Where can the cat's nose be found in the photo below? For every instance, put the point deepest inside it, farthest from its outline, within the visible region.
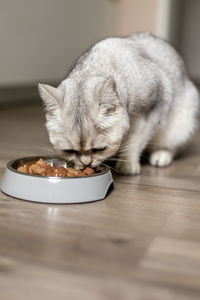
(86, 159)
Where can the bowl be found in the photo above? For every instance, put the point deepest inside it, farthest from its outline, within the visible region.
(54, 189)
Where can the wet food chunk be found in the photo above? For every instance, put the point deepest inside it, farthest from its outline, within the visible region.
(41, 168)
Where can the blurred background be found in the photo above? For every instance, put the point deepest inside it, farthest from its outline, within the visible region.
(41, 39)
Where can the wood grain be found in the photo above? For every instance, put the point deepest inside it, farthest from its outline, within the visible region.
(142, 242)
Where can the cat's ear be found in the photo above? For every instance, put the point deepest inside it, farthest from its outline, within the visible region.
(51, 96)
(109, 96)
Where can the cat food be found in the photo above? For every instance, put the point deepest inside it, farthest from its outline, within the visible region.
(42, 168)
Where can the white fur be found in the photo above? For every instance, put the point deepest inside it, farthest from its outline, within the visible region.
(161, 158)
(122, 96)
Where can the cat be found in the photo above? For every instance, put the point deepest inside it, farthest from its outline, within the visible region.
(123, 95)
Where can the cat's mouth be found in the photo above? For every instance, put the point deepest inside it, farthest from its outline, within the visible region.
(95, 164)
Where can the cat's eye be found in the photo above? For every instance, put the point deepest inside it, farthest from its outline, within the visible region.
(94, 150)
(70, 151)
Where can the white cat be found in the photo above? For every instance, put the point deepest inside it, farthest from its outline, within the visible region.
(122, 96)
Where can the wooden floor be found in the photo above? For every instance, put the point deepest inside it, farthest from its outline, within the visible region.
(142, 242)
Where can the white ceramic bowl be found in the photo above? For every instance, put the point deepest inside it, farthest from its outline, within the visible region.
(54, 189)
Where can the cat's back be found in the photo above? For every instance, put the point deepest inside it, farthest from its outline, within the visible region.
(116, 47)
(160, 52)
(111, 55)
(143, 53)
(137, 44)
(141, 44)
(137, 49)
(140, 56)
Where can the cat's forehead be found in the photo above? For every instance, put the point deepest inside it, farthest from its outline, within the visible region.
(81, 89)
(85, 136)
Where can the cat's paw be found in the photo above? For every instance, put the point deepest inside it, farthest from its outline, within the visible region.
(161, 158)
(128, 168)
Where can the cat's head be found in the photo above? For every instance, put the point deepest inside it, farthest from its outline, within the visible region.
(85, 120)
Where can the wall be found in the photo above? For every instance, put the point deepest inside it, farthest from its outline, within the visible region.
(40, 39)
(134, 15)
(189, 44)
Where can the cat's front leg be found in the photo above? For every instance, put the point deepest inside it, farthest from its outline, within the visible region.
(140, 133)
(129, 154)
(128, 168)
(129, 157)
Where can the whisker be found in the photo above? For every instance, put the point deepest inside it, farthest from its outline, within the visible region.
(115, 159)
(45, 148)
(104, 164)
